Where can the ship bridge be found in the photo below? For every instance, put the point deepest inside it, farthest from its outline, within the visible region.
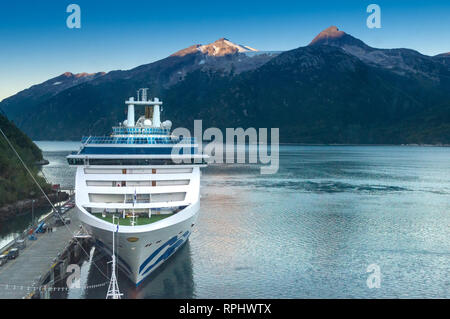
(147, 138)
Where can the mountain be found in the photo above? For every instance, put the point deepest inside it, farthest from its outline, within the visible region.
(15, 183)
(220, 47)
(160, 75)
(335, 37)
(318, 94)
(444, 58)
(27, 99)
(335, 90)
(220, 56)
(405, 62)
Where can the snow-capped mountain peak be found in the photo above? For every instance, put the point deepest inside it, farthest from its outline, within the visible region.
(219, 47)
(223, 47)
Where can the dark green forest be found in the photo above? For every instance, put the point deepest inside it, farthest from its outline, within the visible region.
(15, 182)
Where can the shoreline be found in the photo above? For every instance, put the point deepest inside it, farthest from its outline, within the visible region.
(24, 206)
(298, 144)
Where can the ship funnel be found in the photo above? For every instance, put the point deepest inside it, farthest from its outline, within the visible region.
(130, 118)
(156, 113)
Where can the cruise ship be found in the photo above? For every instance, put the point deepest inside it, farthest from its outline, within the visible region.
(146, 177)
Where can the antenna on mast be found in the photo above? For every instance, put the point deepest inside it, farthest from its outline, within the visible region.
(143, 94)
(113, 289)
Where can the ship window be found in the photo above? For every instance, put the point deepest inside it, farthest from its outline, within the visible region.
(75, 161)
(98, 161)
(106, 198)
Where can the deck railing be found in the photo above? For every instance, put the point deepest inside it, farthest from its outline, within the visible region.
(136, 140)
(140, 130)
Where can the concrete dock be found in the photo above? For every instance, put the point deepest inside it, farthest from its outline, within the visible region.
(36, 260)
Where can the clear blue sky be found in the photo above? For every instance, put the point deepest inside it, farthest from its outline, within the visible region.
(37, 45)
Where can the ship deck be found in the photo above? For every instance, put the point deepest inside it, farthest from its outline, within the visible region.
(140, 221)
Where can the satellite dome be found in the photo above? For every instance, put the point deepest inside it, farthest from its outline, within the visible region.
(167, 124)
(125, 122)
(147, 122)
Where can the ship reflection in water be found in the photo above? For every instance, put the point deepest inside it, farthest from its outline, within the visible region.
(174, 279)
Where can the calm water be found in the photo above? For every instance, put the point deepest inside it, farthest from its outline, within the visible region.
(57, 172)
(13, 228)
(310, 231)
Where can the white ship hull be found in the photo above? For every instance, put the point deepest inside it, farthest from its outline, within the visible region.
(138, 259)
(140, 249)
